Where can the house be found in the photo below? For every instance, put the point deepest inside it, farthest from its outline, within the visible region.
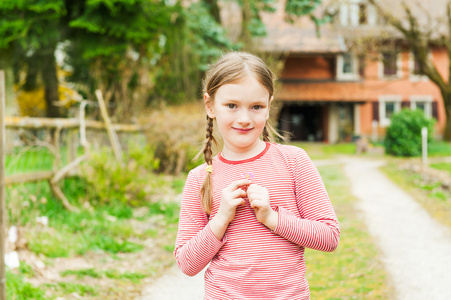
(330, 92)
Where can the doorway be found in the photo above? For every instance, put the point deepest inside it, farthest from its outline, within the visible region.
(302, 122)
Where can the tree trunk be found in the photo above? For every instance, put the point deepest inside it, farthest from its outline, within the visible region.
(6, 58)
(50, 79)
(447, 103)
(245, 35)
(214, 10)
(31, 79)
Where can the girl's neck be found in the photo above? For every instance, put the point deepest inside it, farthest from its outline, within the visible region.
(249, 153)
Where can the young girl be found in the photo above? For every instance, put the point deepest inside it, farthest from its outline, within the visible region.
(251, 210)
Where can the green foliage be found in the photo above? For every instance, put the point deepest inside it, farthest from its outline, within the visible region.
(190, 44)
(133, 184)
(18, 289)
(403, 137)
(301, 7)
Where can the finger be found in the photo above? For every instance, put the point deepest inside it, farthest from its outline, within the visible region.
(257, 204)
(237, 202)
(239, 183)
(238, 193)
(256, 188)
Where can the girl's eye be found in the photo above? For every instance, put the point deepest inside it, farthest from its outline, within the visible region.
(257, 107)
(231, 105)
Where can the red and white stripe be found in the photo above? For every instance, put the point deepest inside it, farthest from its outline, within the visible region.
(251, 261)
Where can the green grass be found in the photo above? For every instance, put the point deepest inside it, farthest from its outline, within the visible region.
(69, 288)
(439, 148)
(324, 151)
(18, 289)
(442, 166)
(436, 201)
(112, 274)
(353, 271)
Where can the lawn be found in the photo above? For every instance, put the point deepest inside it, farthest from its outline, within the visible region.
(325, 151)
(354, 270)
(444, 166)
(107, 248)
(434, 199)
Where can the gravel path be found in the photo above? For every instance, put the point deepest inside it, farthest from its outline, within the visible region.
(415, 249)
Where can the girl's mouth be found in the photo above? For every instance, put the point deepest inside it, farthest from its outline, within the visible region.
(242, 130)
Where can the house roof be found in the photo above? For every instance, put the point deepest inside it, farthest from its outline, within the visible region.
(299, 36)
(339, 91)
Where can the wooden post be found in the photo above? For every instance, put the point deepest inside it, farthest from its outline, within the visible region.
(424, 145)
(2, 186)
(111, 133)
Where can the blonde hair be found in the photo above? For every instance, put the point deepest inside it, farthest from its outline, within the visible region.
(231, 68)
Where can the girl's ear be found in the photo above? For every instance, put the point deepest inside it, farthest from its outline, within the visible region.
(209, 106)
(269, 106)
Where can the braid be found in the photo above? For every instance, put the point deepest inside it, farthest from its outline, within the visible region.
(209, 138)
(266, 136)
(206, 190)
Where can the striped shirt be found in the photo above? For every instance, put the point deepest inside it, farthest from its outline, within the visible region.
(252, 261)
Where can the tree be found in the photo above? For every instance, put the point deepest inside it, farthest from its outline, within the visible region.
(119, 42)
(32, 25)
(421, 36)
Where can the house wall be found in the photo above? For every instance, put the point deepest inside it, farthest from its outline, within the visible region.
(312, 68)
(368, 89)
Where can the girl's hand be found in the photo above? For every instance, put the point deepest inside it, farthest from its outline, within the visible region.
(232, 196)
(259, 200)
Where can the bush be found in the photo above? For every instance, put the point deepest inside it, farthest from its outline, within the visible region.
(135, 184)
(403, 137)
(177, 133)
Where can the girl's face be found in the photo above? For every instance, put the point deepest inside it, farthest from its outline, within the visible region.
(241, 110)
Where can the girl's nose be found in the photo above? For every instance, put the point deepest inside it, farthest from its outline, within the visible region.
(243, 117)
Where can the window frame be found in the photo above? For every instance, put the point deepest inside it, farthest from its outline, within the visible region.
(427, 99)
(381, 67)
(350, 13)
(355, 68)
(383, 99)
(416, 77)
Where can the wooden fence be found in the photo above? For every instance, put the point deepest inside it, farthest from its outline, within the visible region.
(76, 128)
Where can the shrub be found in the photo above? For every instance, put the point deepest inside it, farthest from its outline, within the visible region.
(134, 184)
(177, 133)
(403, 137)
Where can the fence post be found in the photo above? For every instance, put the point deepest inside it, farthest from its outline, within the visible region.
(424, 145)
(2, 187)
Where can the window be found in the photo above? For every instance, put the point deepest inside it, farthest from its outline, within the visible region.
(423, 103)
(388, 105)
(414, 68)
(356, 13)
(390, 65)
(363, 13)
(347, 67)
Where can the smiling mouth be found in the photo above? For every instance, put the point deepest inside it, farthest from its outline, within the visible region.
(243, 130)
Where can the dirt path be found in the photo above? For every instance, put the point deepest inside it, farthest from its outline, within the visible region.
(415, 249)
(175, 285)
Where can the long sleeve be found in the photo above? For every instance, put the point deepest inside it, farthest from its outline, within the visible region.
(196, 244)
(318, 226)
